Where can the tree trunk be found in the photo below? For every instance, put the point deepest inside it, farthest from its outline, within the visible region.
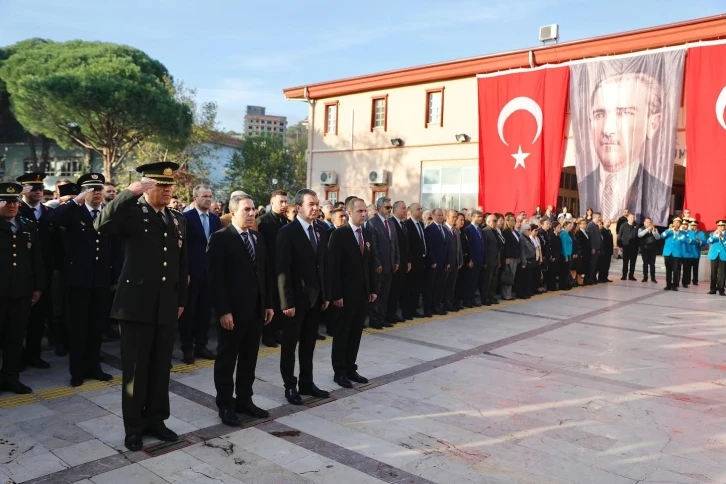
(88, 160)
(44, 154)
(33, 154)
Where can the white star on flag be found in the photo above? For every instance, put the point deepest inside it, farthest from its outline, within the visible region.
(520, 157)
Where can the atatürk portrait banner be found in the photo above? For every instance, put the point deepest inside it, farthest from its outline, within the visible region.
(625, 120)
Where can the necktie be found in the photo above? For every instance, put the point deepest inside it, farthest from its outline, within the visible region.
(250, 250)
(360, 240)
(94, 214)
(38, 212)
(205, 224)
(441, 229)
(313, 239)
(608, 196)
(421, 234)
(388, 229)
(161, 217)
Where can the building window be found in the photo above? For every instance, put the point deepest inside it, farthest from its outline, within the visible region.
(449, 187)
(331, 118)
(332, 194)
(379, 113)
(435, 107)
(378, 192)
(58, 167)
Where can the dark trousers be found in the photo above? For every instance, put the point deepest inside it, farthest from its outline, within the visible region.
(330, 317)
(450, 288)
(40, 315)
(673, 270)
(14, 314)
(603, 266)
(347, 335)
(718, 277)
(648, 256)
(145, 357)
(591, 269)
(60, 325)
(303, 328)
(412, 289)
(473, 283)
(535, 269)
(433, 289)
(523, 281)
(394, 294)
(694, 267)
(461, 293)
(563, 269)
(238, 346)
(86, 318)
(630, 257)
(687, 269)
(487, 283)
(271, 329)
(550, 276)
(194, 322)
(379, 308)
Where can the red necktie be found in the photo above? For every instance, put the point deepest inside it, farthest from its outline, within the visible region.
(388, 230)
(360, 241)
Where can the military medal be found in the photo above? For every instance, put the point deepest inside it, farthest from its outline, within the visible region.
(180, 243)
(144, 209)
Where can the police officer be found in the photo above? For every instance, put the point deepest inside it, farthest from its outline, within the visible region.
(717, 256)
(88, 274)
(151, 295)
(41, 314)
(21, 283)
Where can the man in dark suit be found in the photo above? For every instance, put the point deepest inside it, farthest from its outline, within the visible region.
(237, 258)
(417, 256)
(151, 295)
(21, 283)
(331, 315)
(454, 259)
(386, 257)
(437, 266)
(608, 245)
(194, 322)
(300, 272)
(268, 225)
(395, 298)
(41, 313)
(352, 284)
(91, 266)
(476, 252)
(593, 233)
(492, 248)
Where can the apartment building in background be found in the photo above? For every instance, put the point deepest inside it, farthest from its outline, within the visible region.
(258, 122)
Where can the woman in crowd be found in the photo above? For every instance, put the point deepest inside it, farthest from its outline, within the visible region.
(536, 271)
(588, 215)
(576, 254)
(566, 241)
(527, 256)
(463, 278)
(512, 253)
(585, 250)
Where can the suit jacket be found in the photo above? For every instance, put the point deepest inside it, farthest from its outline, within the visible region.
(492, 246)
(21, 260)
(239, 285)
(607, 242)
(437, 246)
(197, 241)
(299, 270)
(351, 274)
(50, 243)
(593, 231)
(555, 246)
(654, 201)
(153, 281)
(403, 244)
(91, 260)
(511, 244)
(476, 244)
(416, 242)
(453, 247)
(527, 250)
(385, 247)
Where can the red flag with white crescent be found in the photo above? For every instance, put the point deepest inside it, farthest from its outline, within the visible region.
(521, 138)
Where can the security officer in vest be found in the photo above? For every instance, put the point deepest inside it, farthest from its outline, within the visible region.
(151, 295)
(22, 278)
(717, 256)
(90, 269)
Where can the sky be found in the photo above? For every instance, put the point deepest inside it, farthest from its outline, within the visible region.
(240, 52)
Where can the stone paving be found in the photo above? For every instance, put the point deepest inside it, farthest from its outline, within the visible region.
(617, 383)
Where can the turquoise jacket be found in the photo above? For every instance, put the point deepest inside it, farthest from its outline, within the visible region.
(718, 247)
(674, 243)
(566, 244)
(695, 239)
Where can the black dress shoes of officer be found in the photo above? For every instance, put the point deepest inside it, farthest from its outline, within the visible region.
(320, 337)
(76, 381)
(37, 362)
(342, 381)
(293, 396)
(269, 342)
(418, 315)
(99, 375)
(229, 417)
(205, 353)
(313, 391)
(15, 386)
(161, 432)
(357, 378)
(249, 408)
(134, 442)
(188, 357)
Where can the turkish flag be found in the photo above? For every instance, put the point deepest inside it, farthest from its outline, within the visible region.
(521, 139)
(705, 103)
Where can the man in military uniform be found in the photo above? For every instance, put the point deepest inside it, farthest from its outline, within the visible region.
(151, 295)
(88, 274)
(21, 282)
(41, 314)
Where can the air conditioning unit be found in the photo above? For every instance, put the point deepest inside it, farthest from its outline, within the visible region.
(328, 177)
(378, 177)
(549, 32)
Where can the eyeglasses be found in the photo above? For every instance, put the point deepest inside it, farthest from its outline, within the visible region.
(387, 207)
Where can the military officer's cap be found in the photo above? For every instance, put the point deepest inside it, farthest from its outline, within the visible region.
(34, 179)
(92, 181)
(678, 219)
(693, 222)
(721, 223)
(10, 192)
(161, 172)
(68, 189)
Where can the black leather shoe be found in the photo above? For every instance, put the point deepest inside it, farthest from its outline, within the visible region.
(61, 350)
(375, 326)
(386, 324)
(188, 357)
(249, 408)
(313, 391)
(418, 315)
(270, 343)
(161, 432)
(343, 381)
(357, 378)
(623, 278)
(205, 353)
(293, 396)
(400, 320)
(134, 442)
(37, 362)
(320, 337)
(712, 292)
(76, 381)
(674, 288)
(99, 375)
(112, 334)
(15, 387)
(654, 281)
(229, 417)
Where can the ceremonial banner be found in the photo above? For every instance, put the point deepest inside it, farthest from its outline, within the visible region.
(624, 122)
(705, 102)
(521, 139)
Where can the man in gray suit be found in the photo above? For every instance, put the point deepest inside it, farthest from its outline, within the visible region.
(593, 233)
(454, 258)
(386, 259)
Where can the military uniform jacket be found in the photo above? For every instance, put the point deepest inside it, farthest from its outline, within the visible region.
(91, 259)
(154, 277)
(21, 260)
(47, 237)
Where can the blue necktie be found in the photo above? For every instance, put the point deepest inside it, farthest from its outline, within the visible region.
(205, 224)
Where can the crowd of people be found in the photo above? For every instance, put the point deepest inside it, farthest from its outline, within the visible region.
(91, 259)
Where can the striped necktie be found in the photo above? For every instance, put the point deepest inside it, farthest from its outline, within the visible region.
(248, 244)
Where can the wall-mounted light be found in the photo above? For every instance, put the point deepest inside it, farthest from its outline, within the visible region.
(461, 138)
(397, 142)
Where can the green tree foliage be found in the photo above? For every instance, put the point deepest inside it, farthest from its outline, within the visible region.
(260, 161)
(104, 97)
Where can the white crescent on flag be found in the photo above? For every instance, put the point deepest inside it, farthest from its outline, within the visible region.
(522, 103)
(721, 107)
